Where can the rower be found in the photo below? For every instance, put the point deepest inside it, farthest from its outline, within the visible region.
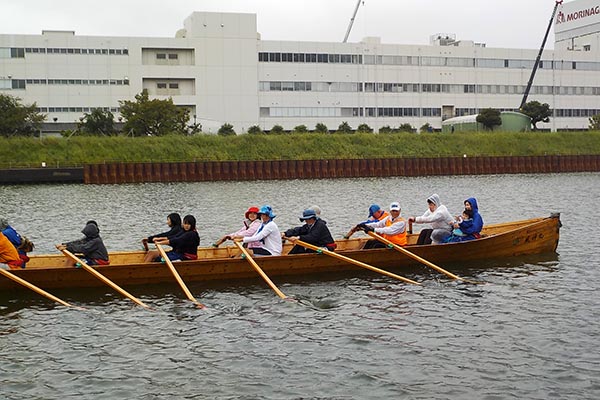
(314, 231)
(392, 228)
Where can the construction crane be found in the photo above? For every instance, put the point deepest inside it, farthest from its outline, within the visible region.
(352, 20)
(539, 56)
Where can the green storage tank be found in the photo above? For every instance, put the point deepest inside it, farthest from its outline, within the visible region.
(512, 121)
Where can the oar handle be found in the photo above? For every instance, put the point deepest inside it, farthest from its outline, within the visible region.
(355, 262)
(103, 278)
(178, 277)
(410, 230)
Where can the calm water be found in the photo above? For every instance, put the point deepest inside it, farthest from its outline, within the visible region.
(530, 333)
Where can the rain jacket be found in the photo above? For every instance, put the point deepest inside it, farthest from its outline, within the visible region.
(91, 246)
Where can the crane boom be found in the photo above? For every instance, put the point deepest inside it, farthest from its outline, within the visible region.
(352, 21)
(539, 56)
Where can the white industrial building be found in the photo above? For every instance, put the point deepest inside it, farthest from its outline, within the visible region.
(219, 68)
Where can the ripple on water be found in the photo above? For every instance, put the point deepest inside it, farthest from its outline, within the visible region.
(529, 332)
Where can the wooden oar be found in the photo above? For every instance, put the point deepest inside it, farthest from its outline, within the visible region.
(355, 262)
(261, 272)
(178, 277)
(34, 288)
(103, 278)
(416, 257)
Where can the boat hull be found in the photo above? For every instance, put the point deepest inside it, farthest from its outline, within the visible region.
(507, 240)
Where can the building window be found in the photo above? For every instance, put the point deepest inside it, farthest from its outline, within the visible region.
(161, 56)
(173, 56)
(161, 85)
(173, 85)
(18, 83)
(17, 52)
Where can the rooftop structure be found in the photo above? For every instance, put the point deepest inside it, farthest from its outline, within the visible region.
(218, 67)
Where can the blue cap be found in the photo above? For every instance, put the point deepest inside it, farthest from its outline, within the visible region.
(373, 209)
(267, 210)
(308, 214)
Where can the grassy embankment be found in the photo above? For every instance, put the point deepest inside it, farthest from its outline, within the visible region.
(23, 152)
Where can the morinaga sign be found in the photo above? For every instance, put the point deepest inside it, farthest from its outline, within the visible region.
(576, 14)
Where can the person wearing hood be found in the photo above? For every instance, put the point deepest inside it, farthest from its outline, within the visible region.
(91, 247)
(471, 228)
(314, 231)
(267, 236)
(440, 220)
(174, 223)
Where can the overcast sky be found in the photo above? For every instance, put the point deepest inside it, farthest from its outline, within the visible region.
(506, 23)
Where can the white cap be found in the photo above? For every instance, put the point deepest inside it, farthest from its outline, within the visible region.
(395, 206)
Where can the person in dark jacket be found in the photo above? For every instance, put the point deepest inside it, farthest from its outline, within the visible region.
(173, 222)
(91, 247)
(185, 244)
(314, 231)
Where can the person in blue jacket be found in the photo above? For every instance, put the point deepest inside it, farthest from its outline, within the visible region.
(21, 243)
(471, 228)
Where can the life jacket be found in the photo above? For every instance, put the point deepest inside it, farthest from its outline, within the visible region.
(8, 252)
(400, 238)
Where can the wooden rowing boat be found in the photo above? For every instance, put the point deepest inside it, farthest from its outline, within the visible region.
(511, 239)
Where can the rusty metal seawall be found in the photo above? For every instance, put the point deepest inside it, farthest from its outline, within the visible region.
(352, 168)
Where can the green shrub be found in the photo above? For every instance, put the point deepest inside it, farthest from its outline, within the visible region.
(364, 128)
(344, 128)
(300, 129)
(276, 130)
(385, 129)
(255, 130)
(321, 128)
(226, 130)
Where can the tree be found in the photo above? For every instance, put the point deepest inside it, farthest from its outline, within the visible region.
(276, 130)
(153, 117)
(226, 130)
(537, 112)
(344, 128)
(595, 123)
(255, 130)
(18, 119)
(300, 129)
(489, 118)
(321, 128)
(364, 128)
(97, 122)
